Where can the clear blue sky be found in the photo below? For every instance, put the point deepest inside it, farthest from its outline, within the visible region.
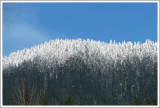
(29, 24)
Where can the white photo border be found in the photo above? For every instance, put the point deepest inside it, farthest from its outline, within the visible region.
(109, 1)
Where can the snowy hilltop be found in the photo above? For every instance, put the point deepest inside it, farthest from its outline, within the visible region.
(90, 51)
(92, 72)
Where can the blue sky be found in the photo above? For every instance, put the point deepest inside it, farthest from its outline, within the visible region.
(29, 24)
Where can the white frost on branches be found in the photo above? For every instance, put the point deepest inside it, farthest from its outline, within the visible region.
(92, 52)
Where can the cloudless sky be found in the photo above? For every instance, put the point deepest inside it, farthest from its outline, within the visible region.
(29, 24)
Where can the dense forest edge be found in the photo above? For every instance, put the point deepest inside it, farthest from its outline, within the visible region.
(76, 72)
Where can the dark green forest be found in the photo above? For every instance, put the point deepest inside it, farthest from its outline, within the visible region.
(75, 83)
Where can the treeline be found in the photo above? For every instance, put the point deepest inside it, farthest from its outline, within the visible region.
(131, 82)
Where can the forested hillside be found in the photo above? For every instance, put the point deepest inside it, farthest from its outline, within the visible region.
(82, 72)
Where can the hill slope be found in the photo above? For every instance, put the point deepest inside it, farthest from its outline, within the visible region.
(92, 72)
